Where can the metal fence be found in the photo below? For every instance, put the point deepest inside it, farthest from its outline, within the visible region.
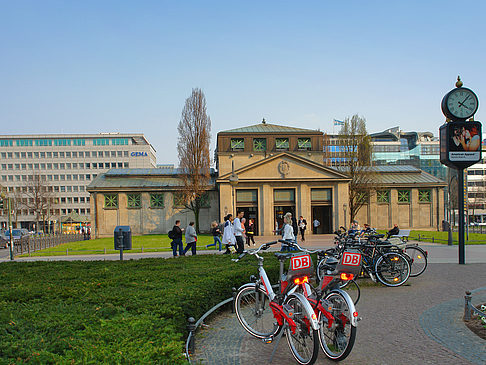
(28, 244)
(469, 309)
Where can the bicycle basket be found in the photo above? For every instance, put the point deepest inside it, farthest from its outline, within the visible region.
(300, 265)
(350, 262)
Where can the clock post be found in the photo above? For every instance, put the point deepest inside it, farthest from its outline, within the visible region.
(460, 142)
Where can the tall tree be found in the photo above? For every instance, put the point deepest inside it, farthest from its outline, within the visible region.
(356, 149)
(193, 149)
(38, 197)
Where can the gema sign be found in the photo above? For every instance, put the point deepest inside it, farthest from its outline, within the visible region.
(138, 154)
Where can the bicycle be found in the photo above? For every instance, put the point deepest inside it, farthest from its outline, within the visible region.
(264, 313)
(416, 254)
(336, 311)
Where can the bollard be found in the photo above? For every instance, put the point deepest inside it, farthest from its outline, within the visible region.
(467, 311)
(191, 327)
(419, 237)
(432, 239)
(449, 237)
(105, 251)
(142, 249)
(67, 251)
(233, 310)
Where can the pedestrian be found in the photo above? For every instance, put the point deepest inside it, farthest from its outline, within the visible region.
(354, 227)
(216, 233)
(191, 239)
(392, 232)
(302, 227)
(315, 224)
(288, 232)
(240, 245)
(243, 227)
(366, 229)
(228, 233)
(250, 232)
(176, 238)
(295, 227)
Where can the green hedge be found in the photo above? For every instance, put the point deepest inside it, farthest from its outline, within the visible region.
(111, 312)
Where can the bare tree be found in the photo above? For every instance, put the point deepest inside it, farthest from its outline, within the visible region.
(38, 197)
(356, 149)
(193, 149)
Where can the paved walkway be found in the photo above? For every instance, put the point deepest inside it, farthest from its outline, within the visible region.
(419, 323)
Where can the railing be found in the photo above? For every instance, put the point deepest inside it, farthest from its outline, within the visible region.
(192, 325)
(28, 244)
(469, 309)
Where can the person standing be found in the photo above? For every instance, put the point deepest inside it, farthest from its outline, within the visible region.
(250, 232)
(315, 224)
(288, 232)
(215, 231)
(228, 233)
(302, 227)
(240, 245)
(177, 238)
(191, 239)
(243, 227)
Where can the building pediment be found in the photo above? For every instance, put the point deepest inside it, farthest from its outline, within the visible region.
(285, 166)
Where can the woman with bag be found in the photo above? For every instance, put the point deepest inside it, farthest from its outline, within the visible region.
(228, 234)
(250, 232)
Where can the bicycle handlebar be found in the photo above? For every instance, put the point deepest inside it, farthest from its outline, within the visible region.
(264, 246)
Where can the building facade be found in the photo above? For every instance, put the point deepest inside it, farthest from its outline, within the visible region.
(66, 163)
(147, 200)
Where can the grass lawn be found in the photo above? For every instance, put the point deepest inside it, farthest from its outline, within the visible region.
(111, 312)
(441, 237)
(149, 243)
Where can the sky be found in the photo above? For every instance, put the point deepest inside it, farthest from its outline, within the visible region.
(97, 66)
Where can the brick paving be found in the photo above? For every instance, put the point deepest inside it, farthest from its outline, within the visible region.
(419, 323)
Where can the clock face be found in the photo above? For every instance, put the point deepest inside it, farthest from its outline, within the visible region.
(461, 103)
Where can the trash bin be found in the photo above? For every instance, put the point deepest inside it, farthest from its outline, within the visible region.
(445, 226)
(123, 238)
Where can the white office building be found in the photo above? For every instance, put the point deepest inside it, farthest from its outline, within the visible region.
(66, 163)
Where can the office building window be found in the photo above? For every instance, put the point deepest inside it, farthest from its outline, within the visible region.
(120, 165)
(383, 196)
(113, 164)
(282, 143)
(125, 153)
(237, 144)
(259, 144)
(113, 153)
(75, 154)
(424, 196)
(134, 200)
(61, 154)
(304, 144)
(404, 196)
(157, 200)
(63, 189)
(119, 153)
(100, 165)
(111, 200)
(42, 155)
(125, 165)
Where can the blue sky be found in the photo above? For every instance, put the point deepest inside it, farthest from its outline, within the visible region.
(128, 66)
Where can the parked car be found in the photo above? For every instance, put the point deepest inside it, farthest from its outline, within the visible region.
(16, 234)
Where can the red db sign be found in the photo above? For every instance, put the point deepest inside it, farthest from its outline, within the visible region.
(300, 262)
(351, 259)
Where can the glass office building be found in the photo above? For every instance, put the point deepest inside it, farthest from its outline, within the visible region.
(65, 164)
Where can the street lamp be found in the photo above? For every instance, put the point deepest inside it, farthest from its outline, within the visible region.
(344, 208)
(233, 180)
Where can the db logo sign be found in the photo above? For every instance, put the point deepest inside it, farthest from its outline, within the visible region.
(351, 259)
(300, 262)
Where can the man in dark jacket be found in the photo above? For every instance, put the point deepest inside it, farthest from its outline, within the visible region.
(177, 240)
(395, 230)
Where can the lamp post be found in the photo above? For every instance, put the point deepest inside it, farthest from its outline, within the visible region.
(344, 208)
(233, 180)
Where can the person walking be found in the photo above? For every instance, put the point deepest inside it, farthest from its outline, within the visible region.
(177, 239)
(243, 227)
(250, 232)
(288, 232)
(191, 239)
(215, 231)
(302, 227)
(228, 233)
(315, 224)
(240, 245)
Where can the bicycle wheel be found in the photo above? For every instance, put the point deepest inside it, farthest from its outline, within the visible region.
(418, 262)
(392, 269)
(254, 313)
(352, 288)
(336, 341)
(304, 342)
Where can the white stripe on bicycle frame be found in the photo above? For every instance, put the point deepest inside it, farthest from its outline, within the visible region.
(266, 283)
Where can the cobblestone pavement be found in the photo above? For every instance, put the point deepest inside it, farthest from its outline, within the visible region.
(419, 323)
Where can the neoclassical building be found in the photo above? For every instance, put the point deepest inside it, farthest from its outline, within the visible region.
(266, 170)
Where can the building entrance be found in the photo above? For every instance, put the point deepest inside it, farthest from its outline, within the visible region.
(250, 213)
(323, 215)
(280, 211)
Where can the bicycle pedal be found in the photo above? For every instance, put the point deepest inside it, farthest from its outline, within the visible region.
(267, 340)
